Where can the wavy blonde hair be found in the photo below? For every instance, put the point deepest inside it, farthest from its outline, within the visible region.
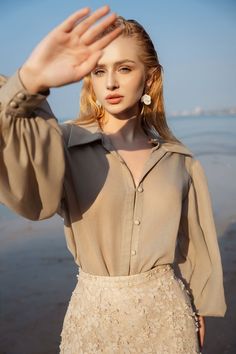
(154, 118)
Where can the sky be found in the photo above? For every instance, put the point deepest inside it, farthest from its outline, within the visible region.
(195, 41)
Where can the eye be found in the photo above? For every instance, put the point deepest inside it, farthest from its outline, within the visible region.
(125, 69)
(98, 72)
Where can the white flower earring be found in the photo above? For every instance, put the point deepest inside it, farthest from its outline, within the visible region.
(98, 103)
(146, 99)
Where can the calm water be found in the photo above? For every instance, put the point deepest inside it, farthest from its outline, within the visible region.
(207, 135)
(213, 141)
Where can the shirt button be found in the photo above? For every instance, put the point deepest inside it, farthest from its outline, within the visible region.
(21, 96)
(140, 189)
(133, 252)
(13, 104)
(137, 222)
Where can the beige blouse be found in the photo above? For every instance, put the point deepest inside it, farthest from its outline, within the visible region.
(111, 227)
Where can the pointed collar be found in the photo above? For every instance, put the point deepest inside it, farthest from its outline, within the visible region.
(176, 147)
(88, 133)
(82, 134)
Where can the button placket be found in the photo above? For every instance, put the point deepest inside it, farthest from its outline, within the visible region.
(137, 220)
(128, 219)
(131, 234)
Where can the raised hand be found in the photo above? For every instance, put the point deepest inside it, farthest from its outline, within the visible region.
(68, 52)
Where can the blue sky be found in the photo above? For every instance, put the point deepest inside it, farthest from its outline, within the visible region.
(195, 41)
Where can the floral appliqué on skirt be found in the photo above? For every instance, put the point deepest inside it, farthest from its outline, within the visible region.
(148, 313)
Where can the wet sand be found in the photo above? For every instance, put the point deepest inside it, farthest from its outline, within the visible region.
(220, 332)
(37, 277)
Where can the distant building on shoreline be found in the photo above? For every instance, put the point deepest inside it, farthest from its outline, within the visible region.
(198, 111)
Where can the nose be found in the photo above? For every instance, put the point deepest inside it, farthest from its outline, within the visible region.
(112, 82)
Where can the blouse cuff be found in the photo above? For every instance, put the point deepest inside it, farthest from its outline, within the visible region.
(16, 100)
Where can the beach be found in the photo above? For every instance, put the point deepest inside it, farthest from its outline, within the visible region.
(38, 274)
(37, 277)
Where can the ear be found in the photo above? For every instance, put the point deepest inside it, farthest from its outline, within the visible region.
(149, 78)
(148, 83)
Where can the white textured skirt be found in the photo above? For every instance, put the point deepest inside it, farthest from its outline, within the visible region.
(150, 312)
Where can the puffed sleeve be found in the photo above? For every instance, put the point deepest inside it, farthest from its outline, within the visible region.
(197, 252)
(31, 152)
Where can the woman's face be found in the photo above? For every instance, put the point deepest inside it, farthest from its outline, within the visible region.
(119, 78)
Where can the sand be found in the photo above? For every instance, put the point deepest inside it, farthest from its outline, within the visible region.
(38, 275)
(220, 332)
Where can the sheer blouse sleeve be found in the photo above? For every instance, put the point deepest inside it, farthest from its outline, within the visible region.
(31, 152)
(197, 251)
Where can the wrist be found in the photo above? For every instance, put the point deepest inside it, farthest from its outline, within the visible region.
(30, 80)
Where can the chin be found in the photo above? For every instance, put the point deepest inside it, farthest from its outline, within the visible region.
(121, 112)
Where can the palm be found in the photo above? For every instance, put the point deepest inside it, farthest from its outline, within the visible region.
(71, 50)
(61, 56)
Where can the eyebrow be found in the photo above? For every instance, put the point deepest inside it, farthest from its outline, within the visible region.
(119, 62)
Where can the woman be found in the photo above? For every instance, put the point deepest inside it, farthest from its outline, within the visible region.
(135, 201)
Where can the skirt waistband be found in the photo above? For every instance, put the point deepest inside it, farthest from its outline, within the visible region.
(124, 280)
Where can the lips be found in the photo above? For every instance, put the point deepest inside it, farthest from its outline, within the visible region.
(113, 96)
(114, 99)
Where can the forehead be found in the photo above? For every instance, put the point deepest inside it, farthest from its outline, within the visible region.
(121, 48)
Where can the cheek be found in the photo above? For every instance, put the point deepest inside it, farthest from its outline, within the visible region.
(98, 88)
(134, 87)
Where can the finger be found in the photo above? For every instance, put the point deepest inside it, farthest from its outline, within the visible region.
(89, 21)
(200, 341)
(91, 35)
(105, 40)
(87, 66)
(70, 22)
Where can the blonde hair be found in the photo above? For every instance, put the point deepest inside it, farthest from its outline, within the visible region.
(154, 118)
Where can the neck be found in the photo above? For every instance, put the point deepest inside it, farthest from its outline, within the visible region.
(126, 129)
